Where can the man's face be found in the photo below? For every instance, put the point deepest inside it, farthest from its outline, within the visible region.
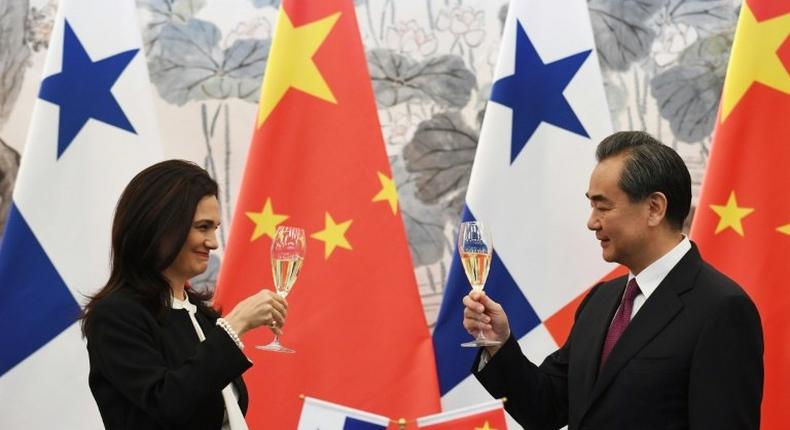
(620, 225)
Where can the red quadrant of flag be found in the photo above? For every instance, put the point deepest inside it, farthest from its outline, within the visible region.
(318, 161)
(742, 222)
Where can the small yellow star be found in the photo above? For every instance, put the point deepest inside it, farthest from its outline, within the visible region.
(290, 63)
(784, 229)
(388, 192)
(731, 215)
(486, 426)
(754, 58)
(333, 235)
(266, 221)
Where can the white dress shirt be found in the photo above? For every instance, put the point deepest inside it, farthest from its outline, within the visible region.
(649, 278)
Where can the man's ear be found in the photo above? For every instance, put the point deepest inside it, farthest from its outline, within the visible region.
(657, 208)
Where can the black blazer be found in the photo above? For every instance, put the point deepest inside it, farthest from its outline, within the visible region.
(691, 358)
(150, 375)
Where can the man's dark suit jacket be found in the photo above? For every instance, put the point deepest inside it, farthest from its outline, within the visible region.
(691, 358)
(146, 374)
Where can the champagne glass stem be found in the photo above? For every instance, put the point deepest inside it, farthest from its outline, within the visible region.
(276, 340)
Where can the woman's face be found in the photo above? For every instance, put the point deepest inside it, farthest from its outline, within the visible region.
(192, 260)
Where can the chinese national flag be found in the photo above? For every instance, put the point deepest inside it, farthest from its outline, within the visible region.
(317, 160)
(484, 416)
(742, 222)
(494, 420)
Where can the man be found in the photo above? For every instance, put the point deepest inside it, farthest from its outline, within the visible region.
(679, 348)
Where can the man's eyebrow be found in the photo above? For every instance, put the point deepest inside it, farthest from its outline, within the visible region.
(596, 197)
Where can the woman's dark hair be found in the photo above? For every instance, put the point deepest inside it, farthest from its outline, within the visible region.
(152, 220)
(650, 166)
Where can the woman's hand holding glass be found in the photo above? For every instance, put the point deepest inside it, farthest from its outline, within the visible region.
(264, 308)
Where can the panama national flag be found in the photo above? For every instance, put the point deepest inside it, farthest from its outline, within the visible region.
(321, 415)
(317, 160)
(488, 415)
(93, 128)
(546, 114)
(742, 221)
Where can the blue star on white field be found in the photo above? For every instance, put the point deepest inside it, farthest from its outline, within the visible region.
(82, 89)
(534, 92)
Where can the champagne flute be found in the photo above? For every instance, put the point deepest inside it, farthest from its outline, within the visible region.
(287, 254)
(475, 246)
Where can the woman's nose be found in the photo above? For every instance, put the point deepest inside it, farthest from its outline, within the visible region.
(211, 241)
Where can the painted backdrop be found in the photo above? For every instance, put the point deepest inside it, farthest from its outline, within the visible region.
(431, 62)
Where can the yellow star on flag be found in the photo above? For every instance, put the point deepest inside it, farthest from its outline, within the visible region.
(486, 426)
(388, 192)
(785, 229)
(730, 215)
(333, 235)
(290, 63)
(754, 58)
(266, 221)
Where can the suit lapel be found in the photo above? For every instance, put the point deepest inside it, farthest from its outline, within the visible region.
(662, 306)
(657, 312)
(243, 395)
(593, 324)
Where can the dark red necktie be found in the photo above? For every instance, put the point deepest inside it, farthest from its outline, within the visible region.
(621, 319)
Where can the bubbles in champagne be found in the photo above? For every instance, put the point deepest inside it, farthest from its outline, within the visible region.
(285, 272)
(476, 265)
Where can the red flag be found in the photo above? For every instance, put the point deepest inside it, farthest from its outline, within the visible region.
(742, 222)
(485, 416)
(318, 161)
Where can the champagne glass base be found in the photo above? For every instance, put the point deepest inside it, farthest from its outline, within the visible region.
(275, 348)
(481, 342)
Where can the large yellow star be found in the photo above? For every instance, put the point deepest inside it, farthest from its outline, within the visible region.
(333, 235)
(785, 229)
(389, 192)
(731, 215)
(754, 58)
(266, 221)
(486, 426)
(290, 63)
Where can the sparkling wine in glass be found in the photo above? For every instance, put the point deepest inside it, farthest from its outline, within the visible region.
(476, 247)
(287, 255)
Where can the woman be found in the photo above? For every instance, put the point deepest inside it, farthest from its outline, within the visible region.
(160, 358)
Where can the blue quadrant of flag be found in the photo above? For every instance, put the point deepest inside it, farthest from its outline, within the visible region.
(35, 304)
(355, 424)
